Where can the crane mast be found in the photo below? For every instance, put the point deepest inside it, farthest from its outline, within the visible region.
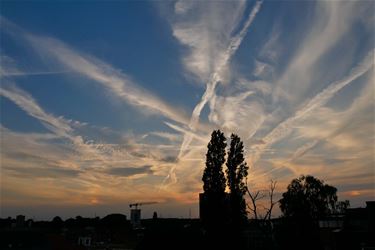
(135, 213)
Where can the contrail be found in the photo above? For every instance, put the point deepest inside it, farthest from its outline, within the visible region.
(214, 79)
(119, 84)
(39, 73)
(281, 130)
(185, 131)
(215, 76)
(59, 126)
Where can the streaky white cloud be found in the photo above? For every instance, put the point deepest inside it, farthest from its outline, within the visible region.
(284, 164)
(186, 131)
(172, 137)
(205, 28)
(271, 50)
(221, 55)
(189, 154)
(248, 111)
(116, 82)
(89, 154)
(86, 164)
(282, 129)
(345, 139)
(26, 102)
(303, 149)
(350, 129)
(10, 69)
(332, 20)
(243, 107)
(8, 66)
(58, 125)
(216, 74)
(261, 69)
(234, 44)
(35, 73)
(259, 86)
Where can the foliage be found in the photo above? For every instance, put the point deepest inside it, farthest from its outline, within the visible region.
(236, 173)
(341, 206)
(309, 197)
(236, 166)
(213, 175)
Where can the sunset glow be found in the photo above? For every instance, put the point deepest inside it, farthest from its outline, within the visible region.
(104, 104)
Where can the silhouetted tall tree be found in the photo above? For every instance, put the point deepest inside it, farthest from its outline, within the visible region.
(213, 198)
(213, 175)
(236, 174)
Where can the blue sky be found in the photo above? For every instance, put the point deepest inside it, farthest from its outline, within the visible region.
(107, 103)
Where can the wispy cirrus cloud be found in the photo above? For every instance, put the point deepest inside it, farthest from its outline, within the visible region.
(90, 154)
(9, 68)
(331, 144)
(186, 131)
(303, 149)
(282, 129)
(119, 84)
(96, 169)
(212, 44)
(215, 77)
(206, 29)
(331, 22)
(26, 102)
(304, 134)
(169, 136)
(116, 82)
(294, 98)
(226, 51)
(59, 126)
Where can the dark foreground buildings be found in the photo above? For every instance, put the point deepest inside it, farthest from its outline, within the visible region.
(353, 230)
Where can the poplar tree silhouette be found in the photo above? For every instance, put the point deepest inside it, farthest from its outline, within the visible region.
(213, 175)
(225, 214)
(214, 182)
(236, 175)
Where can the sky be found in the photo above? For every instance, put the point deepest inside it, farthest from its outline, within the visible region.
(103, 104)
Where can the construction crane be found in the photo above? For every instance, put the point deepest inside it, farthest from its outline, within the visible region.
(135, 213)
(141, 204)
